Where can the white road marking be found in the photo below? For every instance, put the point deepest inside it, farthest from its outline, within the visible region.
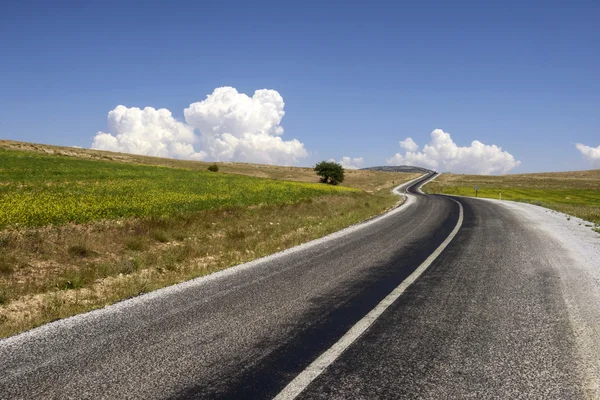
(295, 387)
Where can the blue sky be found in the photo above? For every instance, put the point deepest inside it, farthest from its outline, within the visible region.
(356, 77)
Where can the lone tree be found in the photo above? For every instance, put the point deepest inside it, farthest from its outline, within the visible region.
(213, 168)
(330, 172)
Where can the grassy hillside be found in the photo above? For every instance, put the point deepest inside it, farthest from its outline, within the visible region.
(576, 193)
(369, 181)
(80, 229)
(41, 189)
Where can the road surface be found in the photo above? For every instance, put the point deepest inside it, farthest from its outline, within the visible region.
(490, 317)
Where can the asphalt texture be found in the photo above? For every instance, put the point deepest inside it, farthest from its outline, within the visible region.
(485, 320)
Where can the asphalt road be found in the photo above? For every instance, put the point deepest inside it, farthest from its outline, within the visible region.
(486, 320)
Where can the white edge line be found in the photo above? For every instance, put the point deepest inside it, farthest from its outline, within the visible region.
(296, 386)
(55, 326)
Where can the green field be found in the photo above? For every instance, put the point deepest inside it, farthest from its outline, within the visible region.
(40, 189)
(574, 193)
(81, 229)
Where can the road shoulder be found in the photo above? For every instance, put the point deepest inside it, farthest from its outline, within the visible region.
(580, 280)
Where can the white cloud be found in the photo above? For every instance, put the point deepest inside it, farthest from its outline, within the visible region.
(443, 154)
(149, 132)
(350, 163)
(592, 154)
(409, 145)
(234, 126)
(226, 126)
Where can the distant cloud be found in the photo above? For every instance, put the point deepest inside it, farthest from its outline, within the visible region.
(409, 145)
(444, 155)
(592, 154)
(350, 163)
(226, 126)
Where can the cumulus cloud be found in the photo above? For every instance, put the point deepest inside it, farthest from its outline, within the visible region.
(149, 132)
(592, 154)
(234, 126)
(409, 145)
(350, 163)
(443, 154)
(226, 126)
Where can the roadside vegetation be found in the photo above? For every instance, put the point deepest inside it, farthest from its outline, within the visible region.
(79, 230)
(575, 193)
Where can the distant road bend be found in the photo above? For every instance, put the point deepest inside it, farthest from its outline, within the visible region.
(498, 308)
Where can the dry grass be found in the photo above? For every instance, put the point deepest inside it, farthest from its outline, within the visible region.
(53, 272)
(576, 193)
(60, 271)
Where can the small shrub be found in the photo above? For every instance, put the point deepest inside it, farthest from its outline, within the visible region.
(130, 266)
(74, 281)
(236, 235)
(160, 236)
(180, 236)
(5, 239)
(3, 297)
(169, 261)
(171, 265)
(66, 285)
(80, 250)
(136, 244)
(213, 168)
(158, 222)
(6, 265)
(35, 241)
(186, 252)
(142, 286)
(53, 307)
(105, 269)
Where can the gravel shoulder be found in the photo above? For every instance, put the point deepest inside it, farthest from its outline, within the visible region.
(580, 280)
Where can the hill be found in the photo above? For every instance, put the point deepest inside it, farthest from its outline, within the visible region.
(399, 168)
(367, 180)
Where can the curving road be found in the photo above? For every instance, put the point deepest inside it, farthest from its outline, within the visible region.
(487, 319)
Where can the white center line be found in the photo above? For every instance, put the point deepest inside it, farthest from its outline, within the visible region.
(295, 387)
